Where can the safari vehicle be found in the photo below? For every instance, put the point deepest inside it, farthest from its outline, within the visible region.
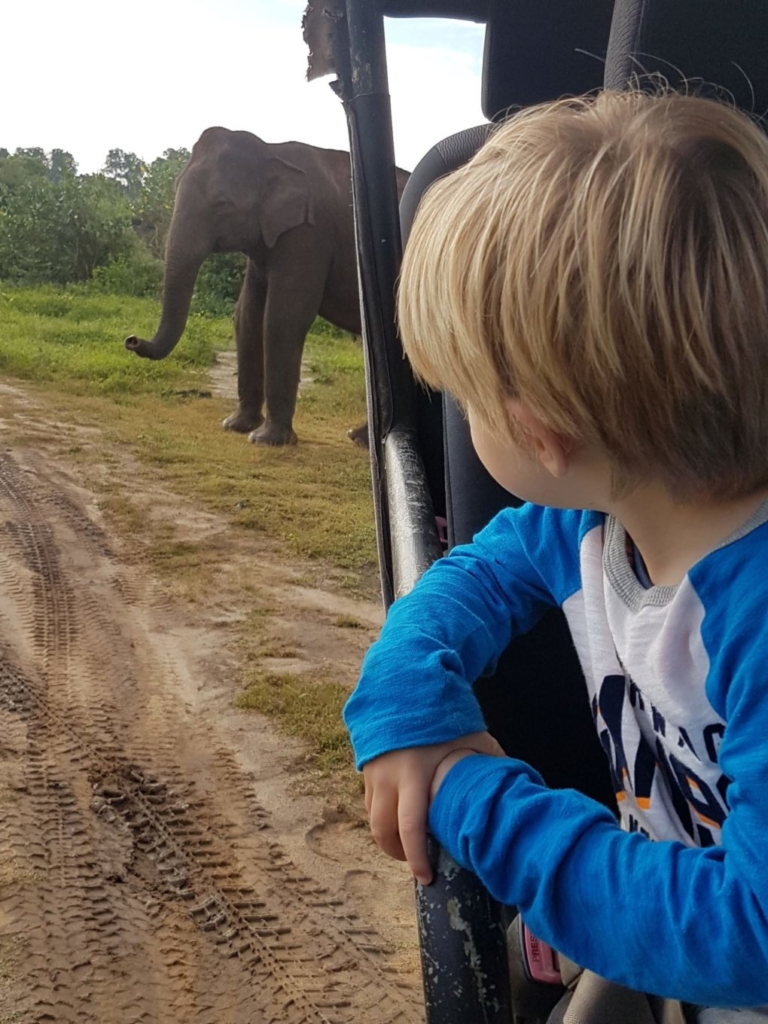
(425, 473)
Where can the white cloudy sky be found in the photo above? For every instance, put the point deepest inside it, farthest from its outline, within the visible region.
(145, 75)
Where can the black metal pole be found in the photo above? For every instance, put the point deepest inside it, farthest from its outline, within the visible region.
(461, 928)
(463, 948)
(377, 228)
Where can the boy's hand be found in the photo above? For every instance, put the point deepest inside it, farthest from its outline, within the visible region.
(445, 766)
(397, 796)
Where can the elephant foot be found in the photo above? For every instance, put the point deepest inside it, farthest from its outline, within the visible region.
(273, 435)
(359, 435)
(243, 422)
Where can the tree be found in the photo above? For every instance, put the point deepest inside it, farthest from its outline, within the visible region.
(33, 163)
(61, 231)
(153, 208)
(127, 169)
(61, 165)
(176, 159)
(17, 169)
(34, 153)
(58, 225)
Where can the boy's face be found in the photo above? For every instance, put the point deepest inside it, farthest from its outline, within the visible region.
(545, 470)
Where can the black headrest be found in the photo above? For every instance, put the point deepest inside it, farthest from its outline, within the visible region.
(715, 45)
(537, 50)
(468, 10)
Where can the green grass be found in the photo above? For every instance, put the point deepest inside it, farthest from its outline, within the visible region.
(315, 496)
(307, 708)
(74, 339)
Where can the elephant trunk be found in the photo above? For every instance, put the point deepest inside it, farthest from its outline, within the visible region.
(178, 285)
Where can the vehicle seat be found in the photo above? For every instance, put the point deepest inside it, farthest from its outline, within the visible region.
(713, 48)
(538, 50)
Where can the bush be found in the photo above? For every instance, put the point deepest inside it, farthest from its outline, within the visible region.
(326, 330)
(137, 273)
(63, 228)
(60, 232)
(219, 283)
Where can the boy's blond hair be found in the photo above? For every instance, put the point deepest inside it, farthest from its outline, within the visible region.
(606, 261)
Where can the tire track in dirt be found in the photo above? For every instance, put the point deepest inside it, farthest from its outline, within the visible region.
(146, 884)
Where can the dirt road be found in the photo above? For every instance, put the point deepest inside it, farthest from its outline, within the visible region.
(156, 864)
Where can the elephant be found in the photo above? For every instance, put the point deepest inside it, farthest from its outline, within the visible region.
(288, 208)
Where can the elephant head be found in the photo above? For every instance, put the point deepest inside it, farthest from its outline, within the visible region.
(231, 197)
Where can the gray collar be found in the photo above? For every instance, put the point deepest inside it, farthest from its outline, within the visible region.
(620, 573)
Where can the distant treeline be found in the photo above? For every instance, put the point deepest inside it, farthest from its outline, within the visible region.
(109, 228)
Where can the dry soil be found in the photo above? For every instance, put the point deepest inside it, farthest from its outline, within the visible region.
(163, 856)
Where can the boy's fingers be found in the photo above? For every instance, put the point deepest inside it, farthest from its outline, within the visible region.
(384, 827)
(412, 824)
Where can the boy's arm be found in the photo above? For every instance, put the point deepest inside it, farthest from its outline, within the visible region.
(415, 687)
(414, 701)
(686, 923)
(397, 788)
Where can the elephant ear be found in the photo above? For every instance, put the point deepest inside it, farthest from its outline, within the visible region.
(286, 200)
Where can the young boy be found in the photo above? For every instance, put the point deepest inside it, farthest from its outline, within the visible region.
(593, 288)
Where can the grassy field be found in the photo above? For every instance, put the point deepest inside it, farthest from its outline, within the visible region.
(67, 346)
(310, 712)
(315, 496)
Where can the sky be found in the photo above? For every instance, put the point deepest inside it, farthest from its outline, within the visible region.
(88, 76)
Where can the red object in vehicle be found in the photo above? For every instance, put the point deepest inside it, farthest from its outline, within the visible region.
(540, 960)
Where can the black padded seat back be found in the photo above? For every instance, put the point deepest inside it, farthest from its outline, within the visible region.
(536, 702)
(711, 47)
(472, 497)
(444, 157)
(538, 50)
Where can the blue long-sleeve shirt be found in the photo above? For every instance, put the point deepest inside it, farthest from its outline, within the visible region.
(678, 682)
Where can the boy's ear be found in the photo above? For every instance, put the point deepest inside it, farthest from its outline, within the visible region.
(552, 450)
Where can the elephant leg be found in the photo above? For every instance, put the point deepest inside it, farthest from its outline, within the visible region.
(249, 339)
(359, 435)
(294, 294)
